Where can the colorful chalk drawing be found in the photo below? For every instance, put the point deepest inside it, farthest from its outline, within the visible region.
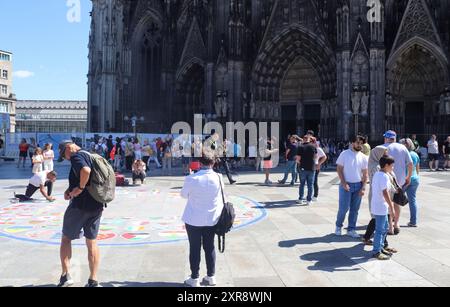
(154, 219)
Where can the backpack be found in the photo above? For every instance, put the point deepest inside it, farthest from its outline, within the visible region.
(102, 185)
(226, 221)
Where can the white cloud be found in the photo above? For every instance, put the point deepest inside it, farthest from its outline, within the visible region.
(23, 74)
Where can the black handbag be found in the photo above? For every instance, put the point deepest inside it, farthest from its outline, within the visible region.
(400, 197)
(226, 220)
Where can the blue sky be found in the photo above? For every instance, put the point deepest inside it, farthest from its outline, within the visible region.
(49, 52)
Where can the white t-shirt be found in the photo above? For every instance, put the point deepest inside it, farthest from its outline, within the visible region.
(433, 147)
(39, 179)
(354, 163)
(49, 154)
(320, 154)
(402, 159)
(380, 182)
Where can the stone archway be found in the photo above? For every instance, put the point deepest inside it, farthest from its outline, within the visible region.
(416, 77)
(295, 57)
(190, 95)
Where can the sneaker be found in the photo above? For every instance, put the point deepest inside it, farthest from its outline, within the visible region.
(193, 283)
(411, 225)
(300, 201)
(268, 182)
(308, 203)
(314, 199)
(93, 284)
(338, 231)
(65, 281)
(386, 252)
(292, 184)
(353, 234)
(281, 182)
(382, 257)
(209, 281)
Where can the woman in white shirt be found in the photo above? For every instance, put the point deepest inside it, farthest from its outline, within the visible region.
(49, 156)
(38, 160)
(203, 191)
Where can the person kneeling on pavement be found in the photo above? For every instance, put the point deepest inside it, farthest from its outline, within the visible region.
(139, 169)
(39, 181)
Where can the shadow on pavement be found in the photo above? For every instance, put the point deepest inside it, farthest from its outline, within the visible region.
(330, 260)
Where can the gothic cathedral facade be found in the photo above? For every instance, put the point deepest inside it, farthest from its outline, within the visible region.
(334, 66)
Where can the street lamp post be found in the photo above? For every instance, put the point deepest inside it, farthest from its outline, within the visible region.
(134, 120)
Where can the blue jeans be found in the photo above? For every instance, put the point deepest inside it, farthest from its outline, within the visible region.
(291, 167)
(381, 230)
(349, 201)
(307, 177)
(411, 192)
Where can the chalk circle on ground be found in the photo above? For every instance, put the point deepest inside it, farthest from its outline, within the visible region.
(136, 217)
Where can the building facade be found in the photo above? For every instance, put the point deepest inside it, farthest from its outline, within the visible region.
(337, 67)
(51, 116)
(7, 98)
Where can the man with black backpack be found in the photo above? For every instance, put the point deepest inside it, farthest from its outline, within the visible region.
(88, 193)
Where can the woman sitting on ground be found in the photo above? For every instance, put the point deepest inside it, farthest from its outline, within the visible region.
(139, 171)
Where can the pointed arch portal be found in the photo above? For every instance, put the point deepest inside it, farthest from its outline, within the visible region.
(416, 76)
(296, 72)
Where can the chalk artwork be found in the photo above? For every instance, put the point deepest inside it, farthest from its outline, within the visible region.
(124, 222)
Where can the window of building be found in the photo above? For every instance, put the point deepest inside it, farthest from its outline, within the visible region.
(5, 57)
(3, 89)
(4, 107)
(4, 74)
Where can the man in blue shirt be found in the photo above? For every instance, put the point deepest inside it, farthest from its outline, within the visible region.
(83, 214)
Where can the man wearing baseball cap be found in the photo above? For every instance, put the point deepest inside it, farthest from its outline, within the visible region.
(403, 169)
(83, 214)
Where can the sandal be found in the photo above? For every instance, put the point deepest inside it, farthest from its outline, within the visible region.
(391, 250)
(367, 242)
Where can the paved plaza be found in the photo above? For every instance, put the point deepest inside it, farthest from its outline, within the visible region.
(275, 242)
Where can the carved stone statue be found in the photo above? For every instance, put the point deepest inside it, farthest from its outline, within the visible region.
(442, 104)
(263, 110)
(299, 110)
(224, 106)
(389, 104)
(447, 104)
(365, 104)
(276, 111)
(356, 102)
(218, 105)
(252, 108)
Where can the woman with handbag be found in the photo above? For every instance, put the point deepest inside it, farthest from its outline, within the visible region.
(204, 192)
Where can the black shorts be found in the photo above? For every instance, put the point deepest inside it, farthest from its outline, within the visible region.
(433, 157)
(23, 154)
(76, 220)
